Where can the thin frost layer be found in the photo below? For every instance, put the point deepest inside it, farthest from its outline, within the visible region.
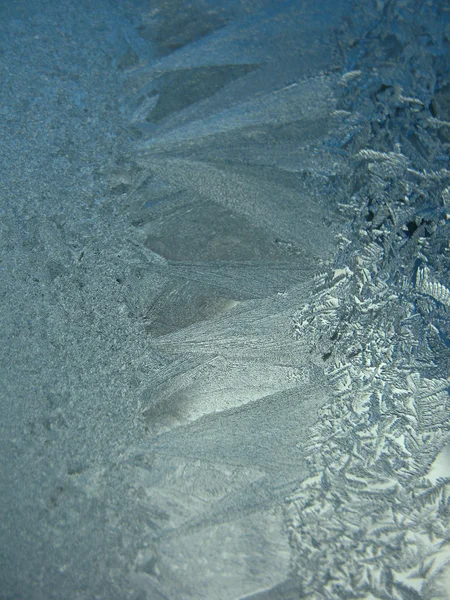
(226, 363)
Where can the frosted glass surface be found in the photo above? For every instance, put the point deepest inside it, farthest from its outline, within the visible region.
(225, 295)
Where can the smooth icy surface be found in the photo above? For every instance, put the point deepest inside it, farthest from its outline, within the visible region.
(224, 251)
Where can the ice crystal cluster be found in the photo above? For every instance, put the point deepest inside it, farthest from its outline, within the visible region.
(372, 520)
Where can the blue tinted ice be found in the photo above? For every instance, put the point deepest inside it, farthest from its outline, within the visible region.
(224, 243)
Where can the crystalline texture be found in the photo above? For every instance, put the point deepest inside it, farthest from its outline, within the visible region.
(225, 282)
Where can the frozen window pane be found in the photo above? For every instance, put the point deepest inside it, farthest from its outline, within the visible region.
(224, 242)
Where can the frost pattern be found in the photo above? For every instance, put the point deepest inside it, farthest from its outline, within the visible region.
(368, 522)
(225, 359)
(436, 290)
(308, 273)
